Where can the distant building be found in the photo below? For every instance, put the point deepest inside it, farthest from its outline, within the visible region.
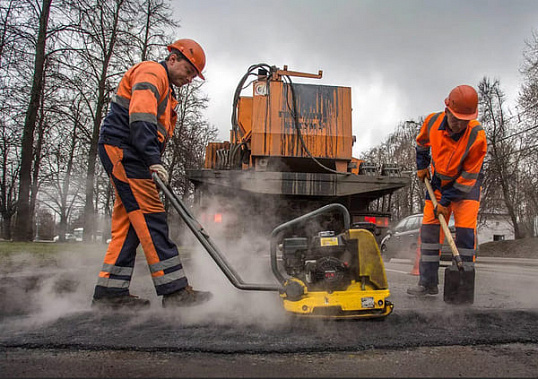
(494, 227)
(79, 234)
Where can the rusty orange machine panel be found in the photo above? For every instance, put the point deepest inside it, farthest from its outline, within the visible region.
(290, 152)
(323, 116)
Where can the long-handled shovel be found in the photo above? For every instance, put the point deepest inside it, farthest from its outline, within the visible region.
(459, 278)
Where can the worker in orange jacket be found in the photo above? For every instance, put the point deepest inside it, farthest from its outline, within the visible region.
(132, 138)
(454, 143)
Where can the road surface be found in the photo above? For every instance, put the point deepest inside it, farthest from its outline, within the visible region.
(48, 328)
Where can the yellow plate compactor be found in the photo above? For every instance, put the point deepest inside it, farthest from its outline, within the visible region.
(321, 274)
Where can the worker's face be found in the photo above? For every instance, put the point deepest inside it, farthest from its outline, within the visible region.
(455, 124)
(180, 71)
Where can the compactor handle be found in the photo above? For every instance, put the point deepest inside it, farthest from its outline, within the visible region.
(202, 236)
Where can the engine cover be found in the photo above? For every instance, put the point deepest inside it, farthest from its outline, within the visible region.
(327, 273)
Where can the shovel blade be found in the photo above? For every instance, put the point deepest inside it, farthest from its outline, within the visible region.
(459, 285)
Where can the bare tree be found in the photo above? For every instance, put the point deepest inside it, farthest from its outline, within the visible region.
(63, 186)
(156, 21)
(528, 118)
(502, 171)
(23, 229)
(79, 51)
(28, 36)
(399, 147)
(6, 28)
(144, 33)
(112, 31)
(9, 163)
(11, 12)
(103, 26)
(528, 98)
(191, 135)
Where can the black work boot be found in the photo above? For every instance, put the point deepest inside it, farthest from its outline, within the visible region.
(186, 297)
(421, 290)
(121, 302)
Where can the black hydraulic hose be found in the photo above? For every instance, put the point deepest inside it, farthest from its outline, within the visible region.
(208, 244)
(300, 220)
(237, 94)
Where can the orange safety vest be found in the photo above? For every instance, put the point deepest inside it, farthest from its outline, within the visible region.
(145, 91)
(454, 161)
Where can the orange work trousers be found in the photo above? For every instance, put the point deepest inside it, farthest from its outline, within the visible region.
(432, 237)
(138, 218)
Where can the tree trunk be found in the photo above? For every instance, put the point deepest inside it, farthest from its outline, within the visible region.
(6, 225)
(508, 202)
(89, 212)
(64, 207)
(34, 188)
(147, 26)
(23, 229)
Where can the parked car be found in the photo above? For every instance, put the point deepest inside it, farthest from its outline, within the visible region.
(68, 238)
(402, 240)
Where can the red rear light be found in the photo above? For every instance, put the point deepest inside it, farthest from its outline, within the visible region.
(218, 217)
(381, 221)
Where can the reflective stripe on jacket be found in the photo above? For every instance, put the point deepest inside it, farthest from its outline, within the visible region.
(457, 160)
(142, 111)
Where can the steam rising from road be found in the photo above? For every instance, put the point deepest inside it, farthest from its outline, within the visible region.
(230, 304)
(36, 289)
(40, 290)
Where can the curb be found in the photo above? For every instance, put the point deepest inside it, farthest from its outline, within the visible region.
(509, 261)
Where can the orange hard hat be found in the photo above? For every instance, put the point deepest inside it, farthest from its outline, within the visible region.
(463, 102)
(192, 51)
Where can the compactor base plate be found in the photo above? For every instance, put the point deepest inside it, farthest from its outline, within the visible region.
(351, 303)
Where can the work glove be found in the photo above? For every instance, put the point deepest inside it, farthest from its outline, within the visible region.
(439, 209)
(424, 173)
(161, 172)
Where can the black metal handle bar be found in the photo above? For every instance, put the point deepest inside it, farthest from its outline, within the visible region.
(208, 244)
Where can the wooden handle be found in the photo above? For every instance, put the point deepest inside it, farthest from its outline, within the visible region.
(444, 225)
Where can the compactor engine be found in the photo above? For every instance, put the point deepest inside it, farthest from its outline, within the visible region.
(329, 274)
(322, 262)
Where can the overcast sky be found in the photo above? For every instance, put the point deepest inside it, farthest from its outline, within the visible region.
(400, 57)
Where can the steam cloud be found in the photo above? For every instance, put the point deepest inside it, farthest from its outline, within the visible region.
(37, 290)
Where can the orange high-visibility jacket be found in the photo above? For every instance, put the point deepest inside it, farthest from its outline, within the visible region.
(456, 160)
(142, 111)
